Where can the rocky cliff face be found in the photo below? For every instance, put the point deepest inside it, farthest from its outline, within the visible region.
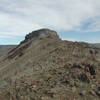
(30, 38)
(40, 34)
(43, 67)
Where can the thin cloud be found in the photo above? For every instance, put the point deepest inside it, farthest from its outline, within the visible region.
(18, 17)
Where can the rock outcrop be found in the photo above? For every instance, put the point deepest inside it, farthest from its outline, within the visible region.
(31, 37)
(44, 67)
(40, 34)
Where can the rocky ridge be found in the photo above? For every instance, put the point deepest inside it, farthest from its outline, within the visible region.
(44, 67)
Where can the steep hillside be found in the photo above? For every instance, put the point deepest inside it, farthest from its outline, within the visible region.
(4, 49)
(44, 67)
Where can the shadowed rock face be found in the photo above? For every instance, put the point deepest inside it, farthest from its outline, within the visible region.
(40, 34)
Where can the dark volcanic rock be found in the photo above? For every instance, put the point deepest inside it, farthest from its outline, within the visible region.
(42, 33)
(84, 78)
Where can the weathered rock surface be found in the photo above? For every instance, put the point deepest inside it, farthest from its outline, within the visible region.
(43, 67)
(40, 34)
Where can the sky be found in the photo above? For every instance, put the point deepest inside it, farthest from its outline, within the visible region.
(75, 20)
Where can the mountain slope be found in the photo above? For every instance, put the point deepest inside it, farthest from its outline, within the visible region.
(43, 67)
(4, 49)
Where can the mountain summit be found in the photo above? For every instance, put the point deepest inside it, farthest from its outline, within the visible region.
(33, 37)
(44, 67)
(40, 34)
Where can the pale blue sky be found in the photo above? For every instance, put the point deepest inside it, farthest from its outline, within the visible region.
(91, 37)
(76, 20)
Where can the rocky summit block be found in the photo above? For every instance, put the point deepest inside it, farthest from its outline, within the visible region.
(42, 33)
(35, 35)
